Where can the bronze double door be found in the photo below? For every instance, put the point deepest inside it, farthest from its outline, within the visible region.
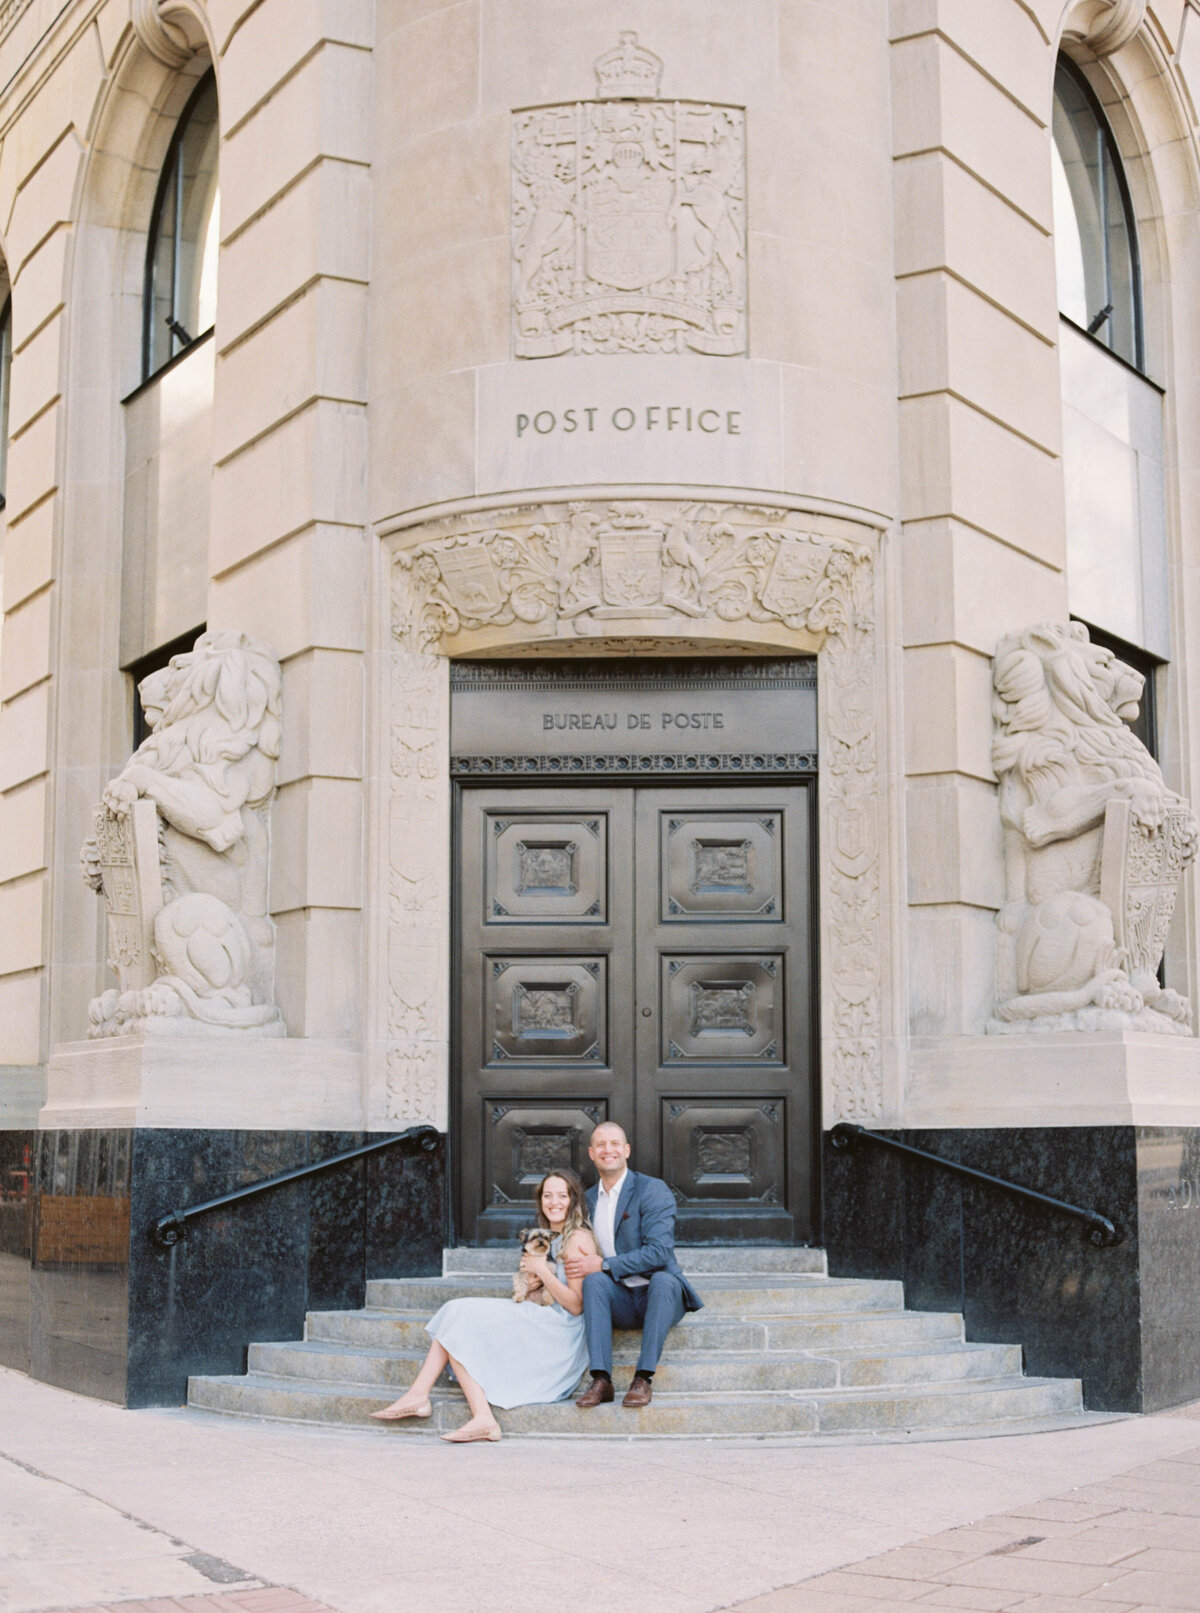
(638, 954)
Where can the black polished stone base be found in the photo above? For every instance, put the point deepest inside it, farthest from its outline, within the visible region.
(1123, 1319)
(16, 1231)
(115, 1316)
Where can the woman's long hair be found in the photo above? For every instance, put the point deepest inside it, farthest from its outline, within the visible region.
(577, 1216)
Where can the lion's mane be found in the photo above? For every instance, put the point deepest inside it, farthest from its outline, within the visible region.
(1054, 716)
(228, 675)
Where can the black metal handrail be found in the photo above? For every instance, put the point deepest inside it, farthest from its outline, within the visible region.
(168, 1230)
(1105, 1234)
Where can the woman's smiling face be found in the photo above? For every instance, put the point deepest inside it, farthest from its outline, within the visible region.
(556, 1200)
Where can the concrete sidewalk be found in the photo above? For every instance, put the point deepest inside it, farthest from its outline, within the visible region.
(100, 1506)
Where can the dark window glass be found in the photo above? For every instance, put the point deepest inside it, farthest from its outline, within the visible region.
(154, 662)
(1094, 238)
(5, 388)
(181, 258)
(1146, 726)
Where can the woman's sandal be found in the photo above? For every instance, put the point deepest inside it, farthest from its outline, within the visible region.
(390, 1414)
(462, 1437)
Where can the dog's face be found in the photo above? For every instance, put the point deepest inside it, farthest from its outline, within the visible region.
(535, 1241)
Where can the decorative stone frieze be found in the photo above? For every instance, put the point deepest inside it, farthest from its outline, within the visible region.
(1095, 843)
(181, 850)
(629, 220)
(637, 577)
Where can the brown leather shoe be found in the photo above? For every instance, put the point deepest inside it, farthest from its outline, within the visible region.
(599, 1394)
(638, 1394)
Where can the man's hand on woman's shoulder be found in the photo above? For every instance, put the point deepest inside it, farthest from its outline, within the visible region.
(581, 1259)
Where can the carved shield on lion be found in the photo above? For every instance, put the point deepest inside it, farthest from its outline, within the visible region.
(127, 848)
(1141, 869)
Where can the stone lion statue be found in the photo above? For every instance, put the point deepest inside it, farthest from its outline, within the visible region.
(181, 850)
(1095, 842)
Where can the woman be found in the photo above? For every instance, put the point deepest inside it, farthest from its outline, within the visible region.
(505, 1354)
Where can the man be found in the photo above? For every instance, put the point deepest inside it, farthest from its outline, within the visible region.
(635, 1280)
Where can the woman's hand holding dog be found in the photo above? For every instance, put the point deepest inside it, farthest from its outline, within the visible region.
(536, 1266)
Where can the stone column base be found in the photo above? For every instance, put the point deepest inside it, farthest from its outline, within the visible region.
(1094, 1078)
(215, 1083)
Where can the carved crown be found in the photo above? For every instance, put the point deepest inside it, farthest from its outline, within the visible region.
(628, 71)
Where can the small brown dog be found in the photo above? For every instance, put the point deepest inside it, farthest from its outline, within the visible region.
(534, 1241)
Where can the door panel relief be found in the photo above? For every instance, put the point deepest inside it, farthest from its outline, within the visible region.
(641, 955)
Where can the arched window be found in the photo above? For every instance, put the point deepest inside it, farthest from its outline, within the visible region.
(181, 257)
(1094, 237)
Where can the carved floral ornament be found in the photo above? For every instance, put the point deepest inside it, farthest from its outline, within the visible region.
(585, 567)
(637, 577)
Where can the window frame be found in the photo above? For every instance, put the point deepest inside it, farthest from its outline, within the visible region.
(5, 388)
(168, 172)
(1114, 163)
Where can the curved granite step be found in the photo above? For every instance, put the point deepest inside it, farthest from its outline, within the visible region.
(406, 1330)
(972, 1405)
(697, 1373)
(786, 1294)
(696, 1260)
(780, 1350)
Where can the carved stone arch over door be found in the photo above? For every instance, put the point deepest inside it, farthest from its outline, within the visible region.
(632, 576)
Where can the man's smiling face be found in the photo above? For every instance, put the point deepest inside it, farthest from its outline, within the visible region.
(608, 1150)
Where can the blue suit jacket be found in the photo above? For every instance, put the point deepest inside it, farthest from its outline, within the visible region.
(645, 1232)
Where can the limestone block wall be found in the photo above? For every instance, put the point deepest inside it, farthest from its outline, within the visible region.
(288, 551)
(892, 362)
(983, 541)
(980, 412)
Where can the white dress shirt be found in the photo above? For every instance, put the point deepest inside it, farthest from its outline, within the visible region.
(604, 1223)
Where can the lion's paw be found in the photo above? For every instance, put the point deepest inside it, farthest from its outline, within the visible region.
(1109, 991)
(1174, 1006)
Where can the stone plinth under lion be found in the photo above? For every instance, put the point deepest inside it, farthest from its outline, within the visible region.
(181, 850)
(1095, 843)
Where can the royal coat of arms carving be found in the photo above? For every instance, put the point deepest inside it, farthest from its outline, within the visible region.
(629, 220)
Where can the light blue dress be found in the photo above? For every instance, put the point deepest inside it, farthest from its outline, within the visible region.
(519, 1355)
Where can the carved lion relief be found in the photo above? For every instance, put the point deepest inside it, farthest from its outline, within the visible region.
(629, 220)
(544, 577)
(1095, 842)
